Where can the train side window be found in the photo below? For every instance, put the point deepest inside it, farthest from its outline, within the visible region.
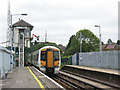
(56, 55)
(37, 56)
(31, 57)
(43, 55)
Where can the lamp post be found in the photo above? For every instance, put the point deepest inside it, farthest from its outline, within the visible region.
(23, 47)
(99, 36)
(80, 57)
(80, 42)
(12, 36)
(100, 45)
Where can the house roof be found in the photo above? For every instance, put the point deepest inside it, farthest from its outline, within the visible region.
(22, 23)
(104, 45)
(110, 46)
(117, 47)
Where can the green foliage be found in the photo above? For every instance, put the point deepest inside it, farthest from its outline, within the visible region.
(38, 46)
(8, 47)
(72, 46)
(118, 42)
(67, 56)
(89, 42)
(67, 63)
(63, 64)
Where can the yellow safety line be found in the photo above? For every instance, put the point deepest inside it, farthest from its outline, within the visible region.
(36, 79)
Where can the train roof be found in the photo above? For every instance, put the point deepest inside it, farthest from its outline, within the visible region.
(35, 52)
(53, 47)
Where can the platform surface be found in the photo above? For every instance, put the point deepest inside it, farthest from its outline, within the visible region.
(110, 71)
(21, 77)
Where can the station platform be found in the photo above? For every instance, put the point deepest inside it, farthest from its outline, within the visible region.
(106, 75)
(28, 77)
(110, 71)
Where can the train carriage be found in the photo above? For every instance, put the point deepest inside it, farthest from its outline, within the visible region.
(47, 59)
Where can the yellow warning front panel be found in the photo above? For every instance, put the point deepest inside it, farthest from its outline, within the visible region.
(56, 63)
(50, 59)
(43, 50)
(56, 50)
(43, 63)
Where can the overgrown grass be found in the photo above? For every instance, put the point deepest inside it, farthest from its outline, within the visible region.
(67, 56)
(63, 64)
(67, 63)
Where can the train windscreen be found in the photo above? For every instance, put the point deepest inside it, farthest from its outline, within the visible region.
(43, 55)
(56, 55)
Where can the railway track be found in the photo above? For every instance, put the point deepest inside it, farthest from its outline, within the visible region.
(74, 81)
(69, 83)
(71, 80)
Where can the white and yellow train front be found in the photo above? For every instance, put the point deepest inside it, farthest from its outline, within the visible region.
(47, 59)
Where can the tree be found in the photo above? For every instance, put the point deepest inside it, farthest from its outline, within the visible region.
(36, 42)
(89, 42)
(118, 42)
(109, 41)
(72, 46)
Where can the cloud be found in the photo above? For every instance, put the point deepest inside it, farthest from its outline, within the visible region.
(63, 18)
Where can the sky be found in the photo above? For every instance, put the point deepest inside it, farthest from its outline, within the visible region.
(63, 18)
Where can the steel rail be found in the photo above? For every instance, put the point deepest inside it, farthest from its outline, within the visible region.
(96, 80)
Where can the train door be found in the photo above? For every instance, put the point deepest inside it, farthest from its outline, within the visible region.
(50, 59)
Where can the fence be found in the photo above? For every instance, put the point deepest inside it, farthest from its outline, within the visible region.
(106, 59)
(5, 61)
(66, 60)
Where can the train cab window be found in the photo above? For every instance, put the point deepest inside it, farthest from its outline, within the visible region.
(56, 55)
(43, 55)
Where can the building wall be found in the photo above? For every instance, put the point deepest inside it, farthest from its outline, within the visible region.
(1, 59)
(27, 43)
(17, 36)
(5, 61)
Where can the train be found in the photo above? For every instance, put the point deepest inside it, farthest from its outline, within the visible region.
(47, 59)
